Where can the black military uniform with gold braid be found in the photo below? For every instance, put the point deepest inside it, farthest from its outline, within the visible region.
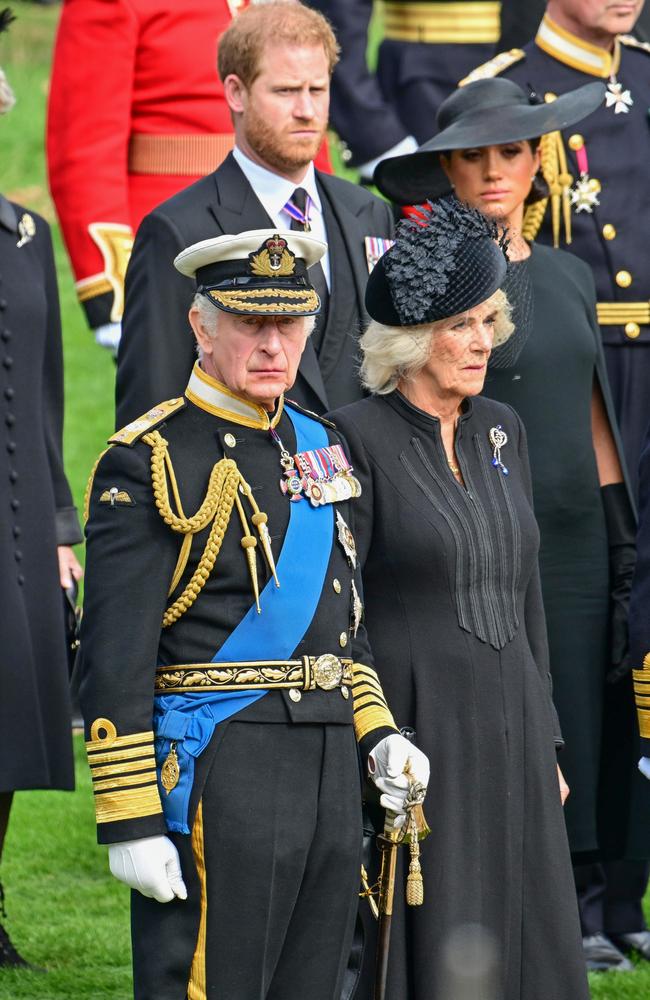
(599, 205)
(190, 512)
(427, 46)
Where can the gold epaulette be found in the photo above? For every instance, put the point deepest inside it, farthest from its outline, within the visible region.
(123, 770)
(369, 705)
(642, 696)
(132, 432)
(500, 63)
(634, 43)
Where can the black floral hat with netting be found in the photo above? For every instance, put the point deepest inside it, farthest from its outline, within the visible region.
(445, 260)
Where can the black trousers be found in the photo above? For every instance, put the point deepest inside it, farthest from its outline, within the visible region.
(272, 872)
(610, 896)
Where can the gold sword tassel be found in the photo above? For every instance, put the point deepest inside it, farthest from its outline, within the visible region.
(249, 544)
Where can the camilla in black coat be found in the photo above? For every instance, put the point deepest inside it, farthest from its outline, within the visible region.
(448, 544)
(38, 512)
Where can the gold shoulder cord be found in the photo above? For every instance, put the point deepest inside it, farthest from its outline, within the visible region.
(559, 180)
(217, 506)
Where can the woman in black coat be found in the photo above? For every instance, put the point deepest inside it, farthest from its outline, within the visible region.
(448, 543)
(39, 521)
(488, 150)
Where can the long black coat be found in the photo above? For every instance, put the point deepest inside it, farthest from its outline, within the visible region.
(550, 386)
(37, 514)
(455, 618)
(158, 298)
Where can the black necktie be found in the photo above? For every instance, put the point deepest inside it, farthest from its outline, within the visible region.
(315, 273)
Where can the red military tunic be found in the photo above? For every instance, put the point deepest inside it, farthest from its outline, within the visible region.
(136, 113)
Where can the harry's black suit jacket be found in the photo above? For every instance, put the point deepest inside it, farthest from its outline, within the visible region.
(157, 349)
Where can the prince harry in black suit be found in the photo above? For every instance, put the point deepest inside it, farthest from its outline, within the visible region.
(275, 62)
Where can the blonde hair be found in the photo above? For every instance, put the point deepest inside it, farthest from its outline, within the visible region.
(393, 353)
(279, 22)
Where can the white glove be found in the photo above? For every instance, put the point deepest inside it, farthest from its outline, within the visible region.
(386, 764)
(150, 865)
(404, 146)
(108, 336)
(644, 767)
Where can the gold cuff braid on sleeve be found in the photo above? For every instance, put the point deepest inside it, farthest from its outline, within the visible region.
(368, 703)
(123, 770)
(641, 680)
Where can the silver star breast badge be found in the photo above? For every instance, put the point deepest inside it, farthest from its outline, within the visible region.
(619, 99)
(584, 195)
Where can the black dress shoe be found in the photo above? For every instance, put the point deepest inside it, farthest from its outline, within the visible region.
(639, 942)
(603, 956)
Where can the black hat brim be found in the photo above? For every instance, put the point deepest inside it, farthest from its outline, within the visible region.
(415, 177)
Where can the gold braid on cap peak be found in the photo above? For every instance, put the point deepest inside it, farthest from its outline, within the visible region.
(217, 507)
(559, 180)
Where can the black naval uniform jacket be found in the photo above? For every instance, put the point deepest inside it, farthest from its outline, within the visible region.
(157, 297)
(610, 232)
(131, 557)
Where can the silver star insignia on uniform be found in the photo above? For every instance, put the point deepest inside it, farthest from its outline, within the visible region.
(584, 195)
(619, 99)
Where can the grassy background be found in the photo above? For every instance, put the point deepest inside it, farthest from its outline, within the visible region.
(65, 912)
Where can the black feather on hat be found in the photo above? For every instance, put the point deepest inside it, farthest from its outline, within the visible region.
(447, 259)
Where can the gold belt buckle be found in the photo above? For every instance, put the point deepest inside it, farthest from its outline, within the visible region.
(327, 672)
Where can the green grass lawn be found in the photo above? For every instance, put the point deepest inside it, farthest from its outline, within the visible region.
(65, 912)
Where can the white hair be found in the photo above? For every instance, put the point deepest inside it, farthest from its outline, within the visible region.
(393, 353)
(209, 318)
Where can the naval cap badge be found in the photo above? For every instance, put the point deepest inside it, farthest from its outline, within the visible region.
(273, 259)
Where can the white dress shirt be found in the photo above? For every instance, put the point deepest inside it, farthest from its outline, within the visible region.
(274, 192)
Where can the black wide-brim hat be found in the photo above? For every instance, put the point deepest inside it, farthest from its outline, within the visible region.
(448, 260)
(484, 113)
(262, 272)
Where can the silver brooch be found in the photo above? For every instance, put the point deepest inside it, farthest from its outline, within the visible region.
(26, 230)
(498, 439)
(346, 540)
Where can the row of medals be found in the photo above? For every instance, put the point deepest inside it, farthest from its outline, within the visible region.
(341, 485)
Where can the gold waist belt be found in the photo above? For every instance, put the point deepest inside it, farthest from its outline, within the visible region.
(620, 313)
(183, 155)
(307, 674)
(443, 23)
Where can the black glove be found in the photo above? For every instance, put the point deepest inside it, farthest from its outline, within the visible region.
(621, 536)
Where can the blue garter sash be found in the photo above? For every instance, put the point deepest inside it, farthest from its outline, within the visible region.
(287, 612)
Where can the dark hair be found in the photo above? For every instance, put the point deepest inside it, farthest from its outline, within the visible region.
(539, 189)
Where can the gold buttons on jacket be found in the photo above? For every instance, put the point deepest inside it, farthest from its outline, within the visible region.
(295, 694)
(343, 640)
(623, 279)
(337, 585)
(576, 142)
(549, 97)
(632, 330)
(609, 231)
(230, 440)
(345, 691)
